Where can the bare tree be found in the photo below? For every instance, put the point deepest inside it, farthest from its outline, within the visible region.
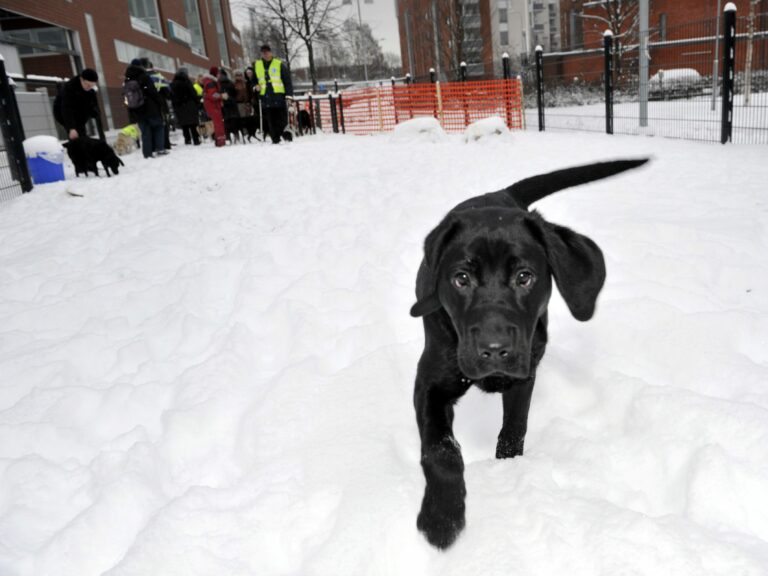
(750, 49)
(308, 20)
(268, 27)
(621, 17)
(464, 40)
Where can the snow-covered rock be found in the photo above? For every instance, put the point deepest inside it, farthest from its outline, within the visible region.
(492, 127)
(425, 129)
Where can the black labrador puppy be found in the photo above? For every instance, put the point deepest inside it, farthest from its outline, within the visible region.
(483, 289)
(77, 151)
(86, 152)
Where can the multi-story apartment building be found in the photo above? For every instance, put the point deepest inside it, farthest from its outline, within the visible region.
(60, 37)
(489, 28)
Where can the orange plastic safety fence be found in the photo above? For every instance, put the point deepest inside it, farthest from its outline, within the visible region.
(455, 105)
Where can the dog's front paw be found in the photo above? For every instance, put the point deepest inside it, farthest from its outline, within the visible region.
(510, 446)
(441, 518)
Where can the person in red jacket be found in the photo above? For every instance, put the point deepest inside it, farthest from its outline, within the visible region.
(212, 103)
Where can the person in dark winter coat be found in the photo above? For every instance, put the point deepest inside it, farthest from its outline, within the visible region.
(185, 103)
(275, 87)
(164, 90)
(229, 96)
(148, 116)
(76, 103)
(242, 95)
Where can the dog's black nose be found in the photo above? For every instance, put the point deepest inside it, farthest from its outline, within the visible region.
(495, 343)
(494, 349)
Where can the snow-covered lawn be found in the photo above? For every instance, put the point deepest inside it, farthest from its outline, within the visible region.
(208, 370)
(687, 118)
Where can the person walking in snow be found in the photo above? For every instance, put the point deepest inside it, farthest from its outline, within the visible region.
(148, 114)
(275, 87)
(185, 102)
(212, 103)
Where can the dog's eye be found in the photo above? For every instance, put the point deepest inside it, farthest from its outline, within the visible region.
(461, 280)
(524, 279)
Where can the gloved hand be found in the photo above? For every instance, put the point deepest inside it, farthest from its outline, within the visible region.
(225, 96)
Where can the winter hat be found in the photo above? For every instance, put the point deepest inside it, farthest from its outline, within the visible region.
(90, 75)
(214, 71)
(136, 62)
(266, 48)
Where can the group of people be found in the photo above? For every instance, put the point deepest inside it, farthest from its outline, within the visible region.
(261, 91)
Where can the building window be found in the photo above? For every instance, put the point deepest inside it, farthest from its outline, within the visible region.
(127, 52)
(504, 38)
(55, 37)
(577, 30)
(192, 11)
(503, 15)
(218, 17)
(662, 27)
(145, 17)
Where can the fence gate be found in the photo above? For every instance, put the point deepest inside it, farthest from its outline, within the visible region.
(14, 172)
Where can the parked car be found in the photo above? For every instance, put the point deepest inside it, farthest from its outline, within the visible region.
(676, 83)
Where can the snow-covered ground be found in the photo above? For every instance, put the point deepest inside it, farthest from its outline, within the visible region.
(205, 369)
(687, 118)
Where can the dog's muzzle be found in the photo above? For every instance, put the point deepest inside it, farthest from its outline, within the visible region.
(494, 347)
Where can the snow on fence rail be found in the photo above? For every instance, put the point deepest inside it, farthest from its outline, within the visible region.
(454, 104)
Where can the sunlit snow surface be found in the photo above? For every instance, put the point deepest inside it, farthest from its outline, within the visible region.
(206, 367)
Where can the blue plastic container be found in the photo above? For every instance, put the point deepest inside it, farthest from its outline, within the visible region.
(44, 171)
(45, 158)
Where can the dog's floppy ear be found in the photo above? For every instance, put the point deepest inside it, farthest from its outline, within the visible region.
(577, 265)
(434, 246)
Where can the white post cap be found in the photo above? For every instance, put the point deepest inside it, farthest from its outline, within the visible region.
(505, 55)
(463, 63)
(730, 7)
(539, 48)
(607, 33)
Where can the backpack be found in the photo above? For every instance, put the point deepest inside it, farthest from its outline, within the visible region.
(133, 95)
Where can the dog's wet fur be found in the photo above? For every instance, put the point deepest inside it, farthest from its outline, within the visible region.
(482, 289)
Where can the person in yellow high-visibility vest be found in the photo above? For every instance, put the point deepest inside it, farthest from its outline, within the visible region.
(274, 86)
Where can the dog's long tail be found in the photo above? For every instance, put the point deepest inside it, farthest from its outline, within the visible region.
(528, 191)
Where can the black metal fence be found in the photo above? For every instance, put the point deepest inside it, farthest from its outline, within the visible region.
(14, 172)
(687, 92)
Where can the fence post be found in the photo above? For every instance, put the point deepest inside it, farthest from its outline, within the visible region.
(540, 85)
(729, 57)
(408, 78)
(439, 103)
(334, 119)
(311, 113)
(380, 112)
(13, 132)
(608, 51)
(432, 75)
(318, 116)
(394, 101)
(336, 85)
(463, 71)
(505, 65)
(341, 114)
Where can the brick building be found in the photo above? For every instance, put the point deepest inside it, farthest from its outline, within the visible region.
(440, 34)
(60, 37)
(682, 34)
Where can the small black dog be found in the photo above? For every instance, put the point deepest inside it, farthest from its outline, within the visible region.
(482, 290)
(305, 122)
(85, 152)
(77, 152)
(249, 126)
